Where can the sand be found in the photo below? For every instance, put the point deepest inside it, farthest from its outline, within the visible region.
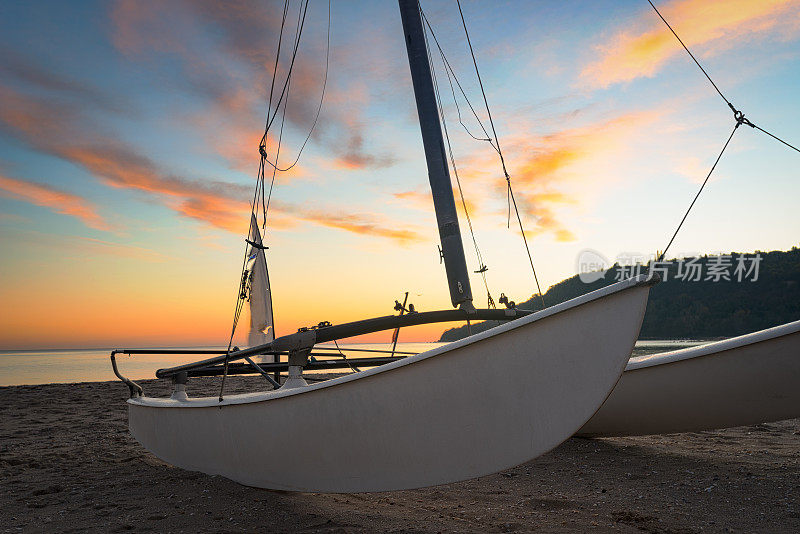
(67, 463)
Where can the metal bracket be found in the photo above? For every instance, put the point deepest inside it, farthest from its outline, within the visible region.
(299, 357)
(135, 389)
(510, 304)
(263, 373)
(179, 386)
(300, 340)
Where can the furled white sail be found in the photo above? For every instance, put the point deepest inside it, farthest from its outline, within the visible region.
(259, 295)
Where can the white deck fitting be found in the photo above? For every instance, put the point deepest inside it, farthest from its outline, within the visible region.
(467, 409)
(744, 380)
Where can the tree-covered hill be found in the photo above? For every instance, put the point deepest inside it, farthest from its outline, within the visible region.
(701, 298)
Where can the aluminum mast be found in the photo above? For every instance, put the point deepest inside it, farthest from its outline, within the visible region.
(455, 263)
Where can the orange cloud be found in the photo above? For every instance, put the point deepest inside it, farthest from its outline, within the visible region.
(55, 200)
(216, 203)
(64, 132)
(235, 73)
(220, 204)
(555, 171)
(414, 197)
(362, 224)
(633, 54)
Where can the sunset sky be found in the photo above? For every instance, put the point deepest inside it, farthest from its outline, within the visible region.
(129, 134)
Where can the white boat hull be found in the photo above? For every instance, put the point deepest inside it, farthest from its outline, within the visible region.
(740, 381)
(467, 409)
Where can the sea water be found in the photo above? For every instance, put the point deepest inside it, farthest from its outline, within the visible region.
(30, 367)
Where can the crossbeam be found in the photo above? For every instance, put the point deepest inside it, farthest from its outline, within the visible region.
(356, 328)
(318, 365)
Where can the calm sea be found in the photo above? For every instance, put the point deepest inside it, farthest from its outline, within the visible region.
(29, 367)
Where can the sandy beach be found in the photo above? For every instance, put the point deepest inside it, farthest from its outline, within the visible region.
(68, 464)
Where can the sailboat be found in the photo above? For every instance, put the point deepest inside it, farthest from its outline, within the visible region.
(470, 408)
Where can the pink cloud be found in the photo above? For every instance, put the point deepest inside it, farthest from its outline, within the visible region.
(556, 171)
(54, 200)
(641, 52)
(226, 52)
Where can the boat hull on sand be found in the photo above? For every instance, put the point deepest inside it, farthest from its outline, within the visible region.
(467, 409)
(744, 380)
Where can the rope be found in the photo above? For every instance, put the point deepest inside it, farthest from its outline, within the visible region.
(354, 369)
(689, 52)
(481, 266)
(321, 99)
(738, 115)
(301, 17)
(449, 70)
(277, 60)
(483, 92)
(282, 100)
(525, 241)
(663, 254)
(500, 153)
(274, 168)
(260, 180)
(775, 137)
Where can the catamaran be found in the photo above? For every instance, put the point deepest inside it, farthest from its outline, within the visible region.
(470, 408)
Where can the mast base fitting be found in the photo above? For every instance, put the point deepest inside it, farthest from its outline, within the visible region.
(295, 379)
(179, 386)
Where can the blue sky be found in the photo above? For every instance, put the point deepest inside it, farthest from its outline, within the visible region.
(128, 150)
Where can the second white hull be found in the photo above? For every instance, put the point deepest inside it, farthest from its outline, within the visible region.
(740, 381)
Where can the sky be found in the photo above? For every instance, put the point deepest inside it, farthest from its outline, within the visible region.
(129, 149)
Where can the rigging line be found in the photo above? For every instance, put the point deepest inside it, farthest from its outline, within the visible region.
(262, 167)
(319, 107)
(737, 114)
(236, 314)
(690, 54)
(481, 265)
(448, 70)
(277, 59)
(277, 155)
(253, 205)
(265, 204)
(525, 240)
(260, 175)
(301, 17)
(283, 123)
(500, 154)
(354, 369)
(300, 24)
(483, 92)
(259, 182)
(775, 137)
(663, 254)
(458, 108)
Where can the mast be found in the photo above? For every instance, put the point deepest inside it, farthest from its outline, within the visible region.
(455, 263)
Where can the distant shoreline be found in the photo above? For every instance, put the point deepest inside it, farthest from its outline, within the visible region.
(715, 304)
